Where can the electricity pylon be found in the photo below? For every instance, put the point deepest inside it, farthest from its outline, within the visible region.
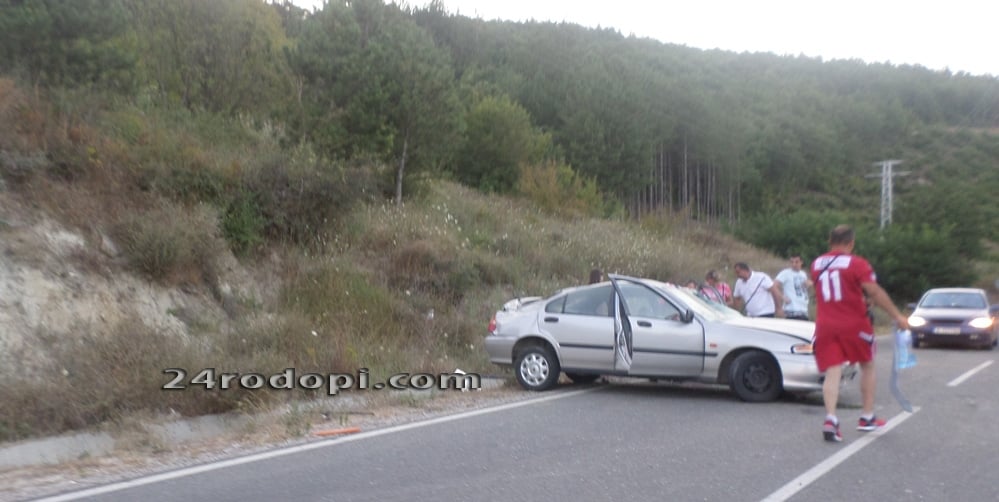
(887, 175)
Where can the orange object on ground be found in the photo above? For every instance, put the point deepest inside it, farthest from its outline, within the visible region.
(337, 432)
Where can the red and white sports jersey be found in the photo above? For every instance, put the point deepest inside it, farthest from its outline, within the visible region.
(840, 305)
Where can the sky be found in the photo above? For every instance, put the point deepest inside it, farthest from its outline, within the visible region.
(959, 35)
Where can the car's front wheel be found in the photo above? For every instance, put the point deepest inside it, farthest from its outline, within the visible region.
(537, 368)
(755, 377)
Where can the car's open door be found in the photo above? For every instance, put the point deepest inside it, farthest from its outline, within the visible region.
(623, 348)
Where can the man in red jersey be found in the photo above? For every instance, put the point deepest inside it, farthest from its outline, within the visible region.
(843, 331)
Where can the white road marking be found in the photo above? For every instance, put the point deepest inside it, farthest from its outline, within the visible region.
(957, 381)
(190, 471)
(808, 477)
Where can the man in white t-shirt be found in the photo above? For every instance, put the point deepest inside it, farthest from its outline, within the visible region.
(794, 284)
(757, 292)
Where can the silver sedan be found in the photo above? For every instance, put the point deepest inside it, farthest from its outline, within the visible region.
(643, 328)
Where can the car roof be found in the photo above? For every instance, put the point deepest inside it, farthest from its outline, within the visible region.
(646, 281)
(956, 290)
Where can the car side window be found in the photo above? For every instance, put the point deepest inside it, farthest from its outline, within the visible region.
(555, 306)
(643, 302)
(590, 301)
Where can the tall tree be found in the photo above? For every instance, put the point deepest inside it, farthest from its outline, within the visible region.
(82, 42)
(376, 85)
(222, 56)
(499, 140)
(327, 58)
(419, 86)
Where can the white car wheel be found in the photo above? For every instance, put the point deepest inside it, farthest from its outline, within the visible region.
(537, 368)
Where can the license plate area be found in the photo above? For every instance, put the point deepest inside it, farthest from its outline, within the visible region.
(947, 331)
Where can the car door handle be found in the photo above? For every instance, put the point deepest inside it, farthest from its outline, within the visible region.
(645, 324)
(551, 319)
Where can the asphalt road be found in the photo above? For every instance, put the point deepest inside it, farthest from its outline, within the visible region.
(642, 441)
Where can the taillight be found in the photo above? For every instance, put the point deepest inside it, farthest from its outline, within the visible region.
(492, 325)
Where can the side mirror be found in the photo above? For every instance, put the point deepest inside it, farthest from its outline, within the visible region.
(687, 316)
(994, 310)
(912, 306)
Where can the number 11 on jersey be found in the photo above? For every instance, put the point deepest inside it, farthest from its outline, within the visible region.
(832, 290)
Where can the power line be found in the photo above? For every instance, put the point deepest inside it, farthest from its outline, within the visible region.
(887, 176)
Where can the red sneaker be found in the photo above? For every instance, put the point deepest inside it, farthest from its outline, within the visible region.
(869, 425)
(830, 431)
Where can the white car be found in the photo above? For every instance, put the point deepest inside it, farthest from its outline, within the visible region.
(643, 328)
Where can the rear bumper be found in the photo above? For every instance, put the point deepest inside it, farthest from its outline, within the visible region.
(500, 349)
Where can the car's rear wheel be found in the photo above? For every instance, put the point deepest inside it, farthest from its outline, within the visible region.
(582, 378)
(537, 368)
(755, 377)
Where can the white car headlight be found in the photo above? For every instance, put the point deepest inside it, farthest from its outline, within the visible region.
(980, 322)
(916, 321)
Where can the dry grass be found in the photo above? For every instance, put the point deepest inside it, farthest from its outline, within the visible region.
(528, 250)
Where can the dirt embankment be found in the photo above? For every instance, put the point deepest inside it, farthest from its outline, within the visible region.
(57, 283)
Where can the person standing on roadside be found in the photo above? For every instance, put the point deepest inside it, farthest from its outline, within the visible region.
(715, 289)
(843, 331)
(794, 284)
(596, 276)
(757, 292)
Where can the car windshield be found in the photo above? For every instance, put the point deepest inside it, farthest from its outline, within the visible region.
(710, 310)
(954, 301)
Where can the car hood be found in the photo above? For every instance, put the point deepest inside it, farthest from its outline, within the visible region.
(800, 329)
(949, 313)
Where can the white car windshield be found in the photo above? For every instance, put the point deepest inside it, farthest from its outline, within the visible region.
(712, 311)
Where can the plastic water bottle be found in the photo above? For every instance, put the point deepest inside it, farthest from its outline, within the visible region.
(904, 358)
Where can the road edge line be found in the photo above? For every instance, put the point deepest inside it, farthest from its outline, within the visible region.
(280, 452)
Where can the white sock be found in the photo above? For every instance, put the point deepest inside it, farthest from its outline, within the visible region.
(868, 417)
(833, 419)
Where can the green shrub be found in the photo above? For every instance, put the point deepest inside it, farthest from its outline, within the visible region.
(557, 189)
(170, 243)
(242, 224)
(910, 259)
(192, 179)
(498, 138)
(127, 124)
(298, 203)
(804, 232)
